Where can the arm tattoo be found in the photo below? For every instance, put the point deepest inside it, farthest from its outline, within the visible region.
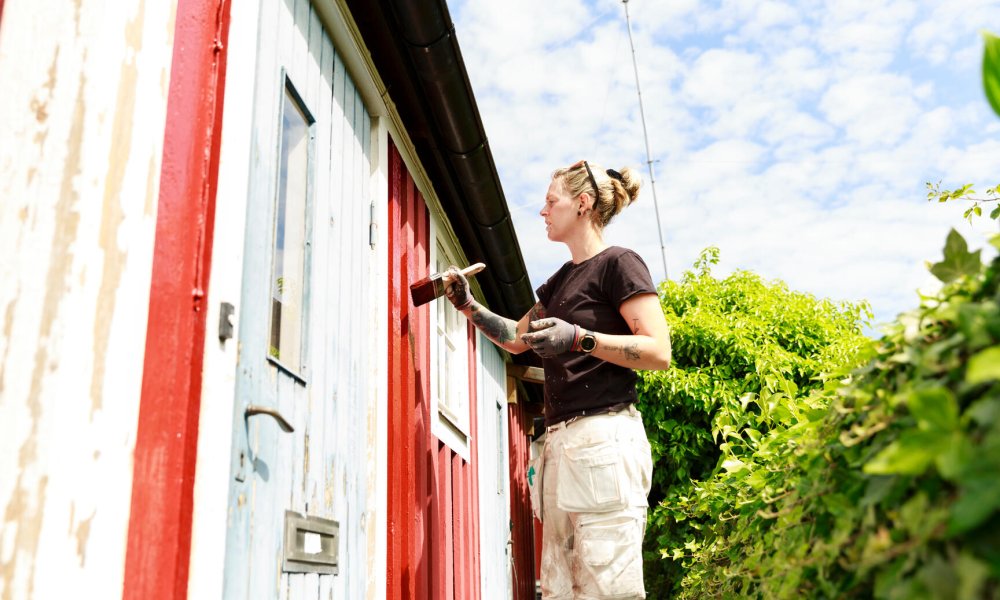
(495, 327)
(537, 312)
(631, 351)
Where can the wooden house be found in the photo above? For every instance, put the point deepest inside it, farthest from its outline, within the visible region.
(213, 382)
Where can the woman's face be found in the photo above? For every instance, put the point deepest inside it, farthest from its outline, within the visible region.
(559, 211)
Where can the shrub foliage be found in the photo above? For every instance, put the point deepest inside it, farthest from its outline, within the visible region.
(797, 458)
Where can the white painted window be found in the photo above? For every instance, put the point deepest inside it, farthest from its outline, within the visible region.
(450, 403)
(290, 242)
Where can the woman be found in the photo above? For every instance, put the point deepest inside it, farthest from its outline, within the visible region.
(597, 319)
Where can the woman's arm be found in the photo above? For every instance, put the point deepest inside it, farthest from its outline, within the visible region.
(648, 347)
(504, 332)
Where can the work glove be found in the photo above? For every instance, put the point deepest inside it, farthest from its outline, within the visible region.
(458, 289)
(550, 337)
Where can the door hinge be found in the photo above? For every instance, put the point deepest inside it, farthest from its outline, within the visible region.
(372, 226)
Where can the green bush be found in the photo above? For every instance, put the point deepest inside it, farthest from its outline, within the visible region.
(745, 351)
(836, 481)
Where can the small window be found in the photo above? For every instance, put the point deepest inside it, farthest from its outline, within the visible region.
(450, 402)
(289, 266)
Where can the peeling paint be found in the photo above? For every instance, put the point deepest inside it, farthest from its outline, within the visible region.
(112, 215)
(8, 327)
(82, 534)
(28, 525)
(40, 106)
(67, 220)
(28, 517)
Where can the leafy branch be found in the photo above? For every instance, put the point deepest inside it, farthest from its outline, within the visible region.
(967, 193)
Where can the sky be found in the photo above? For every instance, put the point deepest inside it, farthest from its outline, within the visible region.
(797, 137)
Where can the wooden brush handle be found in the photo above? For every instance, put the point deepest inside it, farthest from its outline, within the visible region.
(472, 269)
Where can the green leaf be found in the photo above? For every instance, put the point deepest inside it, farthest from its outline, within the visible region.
(991, 70)
(984, 366)
(911, 454)
(934, 408)
(958, 261)
(972, 575)
(979, 499)
(995, 213)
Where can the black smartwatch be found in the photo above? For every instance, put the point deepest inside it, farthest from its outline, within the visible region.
(588, 342)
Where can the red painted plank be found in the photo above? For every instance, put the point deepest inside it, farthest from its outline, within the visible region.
(396, 529)
(522, 533)
(158, 546)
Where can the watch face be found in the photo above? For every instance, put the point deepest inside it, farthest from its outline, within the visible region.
(588, 343)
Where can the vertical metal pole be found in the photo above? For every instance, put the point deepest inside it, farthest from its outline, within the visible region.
(645, 135)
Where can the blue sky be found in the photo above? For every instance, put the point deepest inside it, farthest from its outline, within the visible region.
(795, 136)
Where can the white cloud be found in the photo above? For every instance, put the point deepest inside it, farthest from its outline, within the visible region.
(796, 137)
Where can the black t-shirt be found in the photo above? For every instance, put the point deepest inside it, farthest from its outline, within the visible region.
(589, 295)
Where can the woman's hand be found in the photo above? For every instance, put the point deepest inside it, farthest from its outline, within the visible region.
(550, 337)
(458, 289)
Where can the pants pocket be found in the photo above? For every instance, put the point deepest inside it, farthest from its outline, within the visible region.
(609, 551)
(592, 478)
(535, 483)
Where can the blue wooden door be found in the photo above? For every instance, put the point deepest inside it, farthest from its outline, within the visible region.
(304, 381)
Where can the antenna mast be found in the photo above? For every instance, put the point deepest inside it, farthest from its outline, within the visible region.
(645, 135)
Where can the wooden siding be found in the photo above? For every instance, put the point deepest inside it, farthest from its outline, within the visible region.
(84, 103)
(433, 504)
(494, 476)
(522, 519)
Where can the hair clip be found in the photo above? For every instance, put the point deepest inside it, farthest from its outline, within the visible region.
(614, 175)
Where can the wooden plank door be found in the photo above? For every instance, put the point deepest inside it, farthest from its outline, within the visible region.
(305, 324)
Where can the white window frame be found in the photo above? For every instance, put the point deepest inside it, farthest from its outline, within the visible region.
(451, 402)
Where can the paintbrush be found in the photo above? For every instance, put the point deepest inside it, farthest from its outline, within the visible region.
(432, 287)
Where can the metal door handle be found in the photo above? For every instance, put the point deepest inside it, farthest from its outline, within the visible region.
(253, 409)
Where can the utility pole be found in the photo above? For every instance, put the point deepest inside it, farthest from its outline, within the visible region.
(645, 135)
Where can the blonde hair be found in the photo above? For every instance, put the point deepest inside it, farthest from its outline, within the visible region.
(613, 195)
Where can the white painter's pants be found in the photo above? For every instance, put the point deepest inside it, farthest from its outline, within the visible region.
(594, 475)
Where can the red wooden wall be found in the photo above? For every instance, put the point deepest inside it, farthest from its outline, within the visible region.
(433, 518)
(521, 517)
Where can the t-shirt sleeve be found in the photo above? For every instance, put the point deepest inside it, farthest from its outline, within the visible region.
(627, 277)
(543, 293)
(545, 290)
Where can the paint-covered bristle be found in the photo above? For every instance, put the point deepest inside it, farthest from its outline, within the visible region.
(427, 289)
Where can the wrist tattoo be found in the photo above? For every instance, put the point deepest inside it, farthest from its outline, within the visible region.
(630, 352)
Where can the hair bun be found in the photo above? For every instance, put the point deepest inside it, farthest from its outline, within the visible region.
(630, 181)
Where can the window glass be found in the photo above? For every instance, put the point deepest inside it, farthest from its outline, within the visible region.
(288, 270)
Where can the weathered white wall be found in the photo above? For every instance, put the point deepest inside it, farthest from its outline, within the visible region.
(81, 138)
(494, 479)
(212, 473)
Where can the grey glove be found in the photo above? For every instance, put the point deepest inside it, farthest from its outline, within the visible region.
(550, 337)
(458, 290)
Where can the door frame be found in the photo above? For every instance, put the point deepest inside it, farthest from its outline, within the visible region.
(158, 545)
